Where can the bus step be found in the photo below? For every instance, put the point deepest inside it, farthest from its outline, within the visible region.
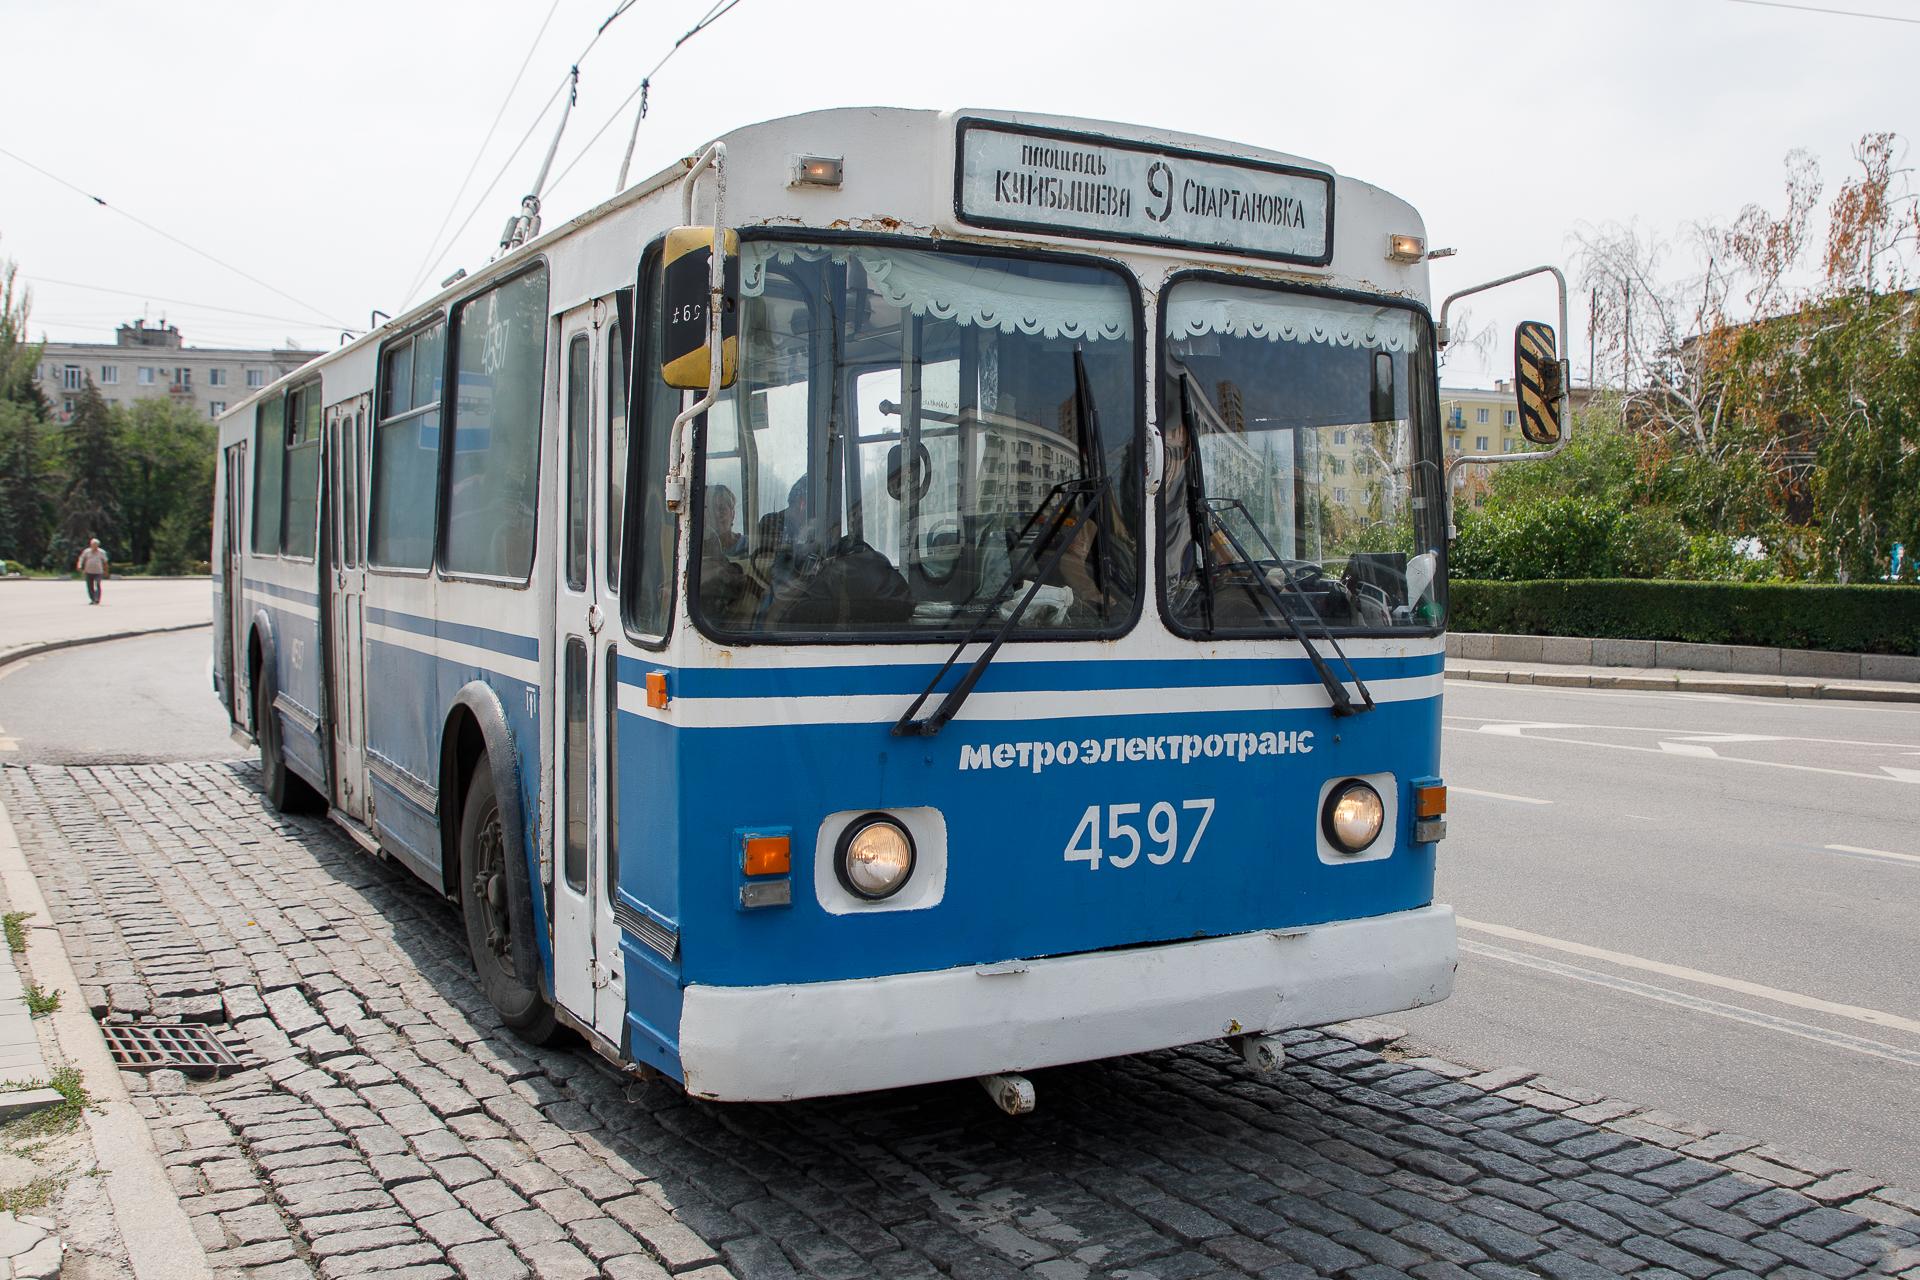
(1265, 1054)
(1012, 1093)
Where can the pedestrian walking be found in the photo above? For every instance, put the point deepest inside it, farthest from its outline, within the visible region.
(93, 563)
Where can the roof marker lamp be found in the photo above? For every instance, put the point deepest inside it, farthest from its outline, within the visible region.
(817, 171)
(1404, 248)
(1353, 816)
(875, 857)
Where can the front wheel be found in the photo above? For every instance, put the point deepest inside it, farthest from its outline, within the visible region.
(486, 905)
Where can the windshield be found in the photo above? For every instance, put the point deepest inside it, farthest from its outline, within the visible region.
(899, 418)
(1317, 464)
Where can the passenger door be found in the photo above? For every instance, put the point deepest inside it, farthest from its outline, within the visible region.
(346, 431)
(586, 953)
(232, 596)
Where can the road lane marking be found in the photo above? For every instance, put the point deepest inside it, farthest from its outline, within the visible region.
(1904, 775)
(1496, 795)
(1700, 1004)
(1733, 737)
(1694, 749)
(1858, 1013)
(1679, 734)
(1872, 853)
(1913, 779)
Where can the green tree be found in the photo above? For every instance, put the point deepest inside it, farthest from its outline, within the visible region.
(168, 483)
(18, 357)
(90, 502)
(26, 485)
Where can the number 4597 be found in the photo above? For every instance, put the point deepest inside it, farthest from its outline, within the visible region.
(1121, 823)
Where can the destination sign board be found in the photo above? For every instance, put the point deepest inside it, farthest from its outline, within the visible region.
(1026, 178)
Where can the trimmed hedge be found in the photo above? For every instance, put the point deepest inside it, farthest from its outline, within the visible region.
(1781, 615)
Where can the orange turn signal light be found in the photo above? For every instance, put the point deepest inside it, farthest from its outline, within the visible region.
(656, 689)
(1430, 801)
(768, 856)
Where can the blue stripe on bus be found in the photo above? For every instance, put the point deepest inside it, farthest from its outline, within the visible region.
(285, 593)
(506, 642)
(1015, 677)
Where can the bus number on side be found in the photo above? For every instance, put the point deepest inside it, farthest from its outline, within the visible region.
(1122, 823)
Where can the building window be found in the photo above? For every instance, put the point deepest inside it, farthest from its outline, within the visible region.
(216, 377)
(109, 375)
(71, 378)
(1453, 442)
(1480, 442)
(1339, 437)
(1479, 415)
(1339, 495)
(256, 378)
(183, 377)
(144, 377)
(66, 406)
(216, 407)
(1510, 417)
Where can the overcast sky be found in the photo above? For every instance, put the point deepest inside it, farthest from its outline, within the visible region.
(318, 146)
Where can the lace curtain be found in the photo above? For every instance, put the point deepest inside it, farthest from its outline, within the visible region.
(1196, 310)
(967, 289)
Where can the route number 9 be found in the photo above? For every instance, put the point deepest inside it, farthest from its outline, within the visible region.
(1122, 823)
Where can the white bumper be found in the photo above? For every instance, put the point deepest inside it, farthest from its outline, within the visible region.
(807, 1040)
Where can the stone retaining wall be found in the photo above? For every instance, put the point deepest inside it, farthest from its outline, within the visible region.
(1742, 659)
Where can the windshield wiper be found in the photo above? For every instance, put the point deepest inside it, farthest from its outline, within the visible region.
(1070, 502)
(1204, 515)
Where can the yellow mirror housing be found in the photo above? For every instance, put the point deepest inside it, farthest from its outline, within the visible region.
(686, 354)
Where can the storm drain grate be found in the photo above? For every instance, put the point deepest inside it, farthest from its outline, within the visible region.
(190, 1047)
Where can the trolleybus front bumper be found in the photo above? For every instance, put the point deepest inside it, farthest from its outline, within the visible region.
(815, 1039)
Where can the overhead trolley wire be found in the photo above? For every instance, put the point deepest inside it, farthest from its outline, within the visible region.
(167, 235)
(1832, 13)
(36, 278)
(420, 271)
(567, 83)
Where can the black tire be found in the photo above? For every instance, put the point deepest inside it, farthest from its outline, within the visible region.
(285, 791)
(484, 905)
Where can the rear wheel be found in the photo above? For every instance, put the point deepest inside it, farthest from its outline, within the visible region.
(486, 904)
(285, 792)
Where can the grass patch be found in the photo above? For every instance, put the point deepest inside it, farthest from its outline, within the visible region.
(59, 1118)
(41, 1003)
(15, 923)
(35, 1195)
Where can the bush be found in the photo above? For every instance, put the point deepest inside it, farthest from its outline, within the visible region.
(1563, 538)
(1850, 619)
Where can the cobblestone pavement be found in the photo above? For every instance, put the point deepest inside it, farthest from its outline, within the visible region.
(387, 1125)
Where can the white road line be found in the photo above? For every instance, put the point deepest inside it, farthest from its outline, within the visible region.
(1693, 749)
(1874, 853)
(1765, 764)
(1700, 1004)
(1904, 775)
(1495, 795)
(1857, 1013)
(1510, 727)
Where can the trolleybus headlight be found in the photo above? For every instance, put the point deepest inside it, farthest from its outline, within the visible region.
(875, 857)
(1353, 816)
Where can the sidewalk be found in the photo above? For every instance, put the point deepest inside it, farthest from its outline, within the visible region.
(1576, 676)
(42, 614)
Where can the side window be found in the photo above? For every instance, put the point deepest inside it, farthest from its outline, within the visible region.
(269, 457)
(579, 484)
(654, 529)
(303, 471)
(616, 449)
(500, 354)
(404, 504)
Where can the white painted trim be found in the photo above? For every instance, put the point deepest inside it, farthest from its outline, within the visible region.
(522, 669)
(885, 708)
(817, 1039)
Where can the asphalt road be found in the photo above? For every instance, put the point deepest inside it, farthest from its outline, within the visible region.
(1695, 902)
(122, 702)
(1699, 903)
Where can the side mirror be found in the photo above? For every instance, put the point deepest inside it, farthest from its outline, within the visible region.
(689, 328)
(1541, 378)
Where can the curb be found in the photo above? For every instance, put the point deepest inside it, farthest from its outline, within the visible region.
(159, 1238)
(1750, 686)
(1752, 1158)
(10, 656)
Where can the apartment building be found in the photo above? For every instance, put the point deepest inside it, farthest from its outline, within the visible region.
(153, 360)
